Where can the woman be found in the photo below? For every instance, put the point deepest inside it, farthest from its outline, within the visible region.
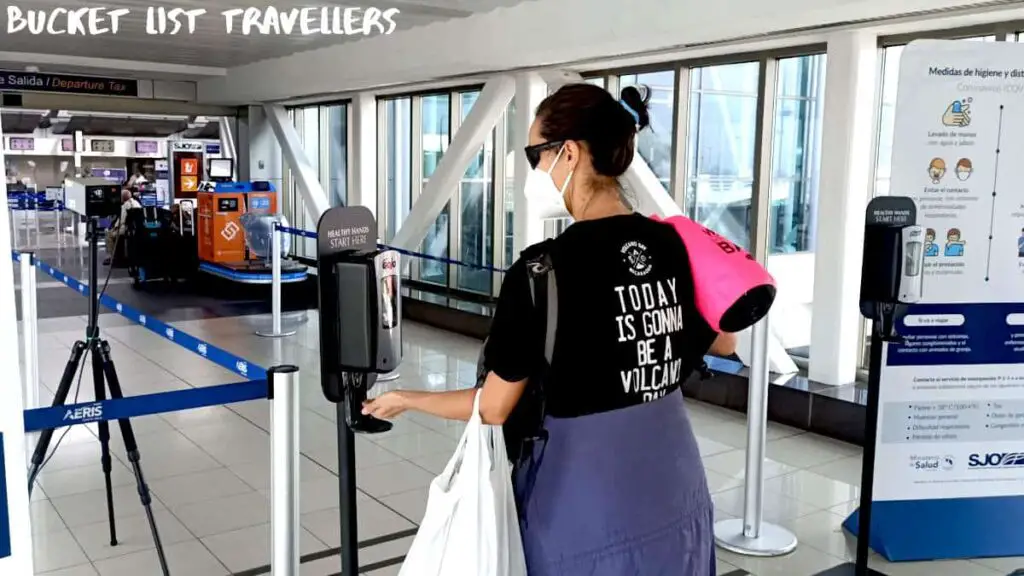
(621, 489)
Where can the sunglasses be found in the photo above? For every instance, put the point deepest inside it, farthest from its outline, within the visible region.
(533, 152)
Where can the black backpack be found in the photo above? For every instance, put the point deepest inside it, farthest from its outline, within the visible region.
(524, 426)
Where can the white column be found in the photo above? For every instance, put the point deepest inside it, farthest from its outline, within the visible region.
(79, 148)
(258, 153)
(846, 147)
(227, 137)
(530, 91)
(465, 145)
(363, 152)
(307, 178)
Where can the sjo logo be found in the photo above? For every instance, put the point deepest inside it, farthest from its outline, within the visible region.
(142, 319)
(170, 333)
(119, 307)
(723, 243)
(996, 460)
(201, 348)
(242, 367)
(84, 413)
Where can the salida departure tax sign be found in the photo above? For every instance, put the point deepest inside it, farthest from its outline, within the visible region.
(67, 84)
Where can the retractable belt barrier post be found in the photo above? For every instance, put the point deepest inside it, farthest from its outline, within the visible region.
(275, 286)
(279, 384)
(284, 453)
(29, 330)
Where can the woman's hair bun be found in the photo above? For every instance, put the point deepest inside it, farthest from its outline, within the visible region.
(636, 98)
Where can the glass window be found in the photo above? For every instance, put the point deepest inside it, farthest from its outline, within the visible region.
(796, 152)
(337, 125)
(436, 115)
(655, 143)
(398, 157)
(720, 171)
(598, 81)
(476, 213)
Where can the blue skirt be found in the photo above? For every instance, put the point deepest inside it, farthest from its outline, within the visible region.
(620, 493)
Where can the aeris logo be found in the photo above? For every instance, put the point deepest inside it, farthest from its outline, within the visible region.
(84, 413)
(996, 460)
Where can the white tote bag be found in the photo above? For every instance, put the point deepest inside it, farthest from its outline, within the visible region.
(471, 527)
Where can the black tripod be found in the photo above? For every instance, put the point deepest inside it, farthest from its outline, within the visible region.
(102, 371)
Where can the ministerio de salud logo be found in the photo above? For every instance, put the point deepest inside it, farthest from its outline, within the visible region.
(635, 255)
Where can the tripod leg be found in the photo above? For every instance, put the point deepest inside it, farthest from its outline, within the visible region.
(132, 448)
(104, 433)
(39, 455)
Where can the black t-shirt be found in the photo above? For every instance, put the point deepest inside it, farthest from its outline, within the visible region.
(628, 329)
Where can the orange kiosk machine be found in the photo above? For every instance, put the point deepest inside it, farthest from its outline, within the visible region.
(223, 250)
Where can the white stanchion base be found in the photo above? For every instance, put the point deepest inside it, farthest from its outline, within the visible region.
(773, 540)
(389, 377)
(282, 334)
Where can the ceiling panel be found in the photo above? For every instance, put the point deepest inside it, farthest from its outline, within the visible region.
(109, 126)
(210, 45)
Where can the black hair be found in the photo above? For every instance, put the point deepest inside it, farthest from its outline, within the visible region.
(589, 114)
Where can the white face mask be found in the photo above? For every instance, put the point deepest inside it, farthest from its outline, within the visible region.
(547, 201)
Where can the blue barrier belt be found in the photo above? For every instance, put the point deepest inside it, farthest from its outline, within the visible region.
(220, 357)
(145, 405)
(308, 234)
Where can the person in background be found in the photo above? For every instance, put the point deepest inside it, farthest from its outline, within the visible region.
(119, 226)
(619, 487)
(136, 179)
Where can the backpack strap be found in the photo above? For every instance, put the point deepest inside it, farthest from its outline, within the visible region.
(544, 292)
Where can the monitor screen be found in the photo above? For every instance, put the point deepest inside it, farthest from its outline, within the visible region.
(102, 146)
(67, 145)
(221, 168)
(146, 147)
(17, 143)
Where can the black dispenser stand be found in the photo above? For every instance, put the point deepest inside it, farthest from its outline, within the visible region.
(356, 344)
(882, 275)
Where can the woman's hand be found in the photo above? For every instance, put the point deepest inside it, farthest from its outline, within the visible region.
(724, 345)
(386, 406)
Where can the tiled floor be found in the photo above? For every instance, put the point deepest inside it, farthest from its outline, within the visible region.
(209, 469)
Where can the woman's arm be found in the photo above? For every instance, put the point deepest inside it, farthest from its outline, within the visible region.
(724, 345)
(498, 398)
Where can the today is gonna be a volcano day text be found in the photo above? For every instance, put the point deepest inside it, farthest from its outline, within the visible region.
(160, 20)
